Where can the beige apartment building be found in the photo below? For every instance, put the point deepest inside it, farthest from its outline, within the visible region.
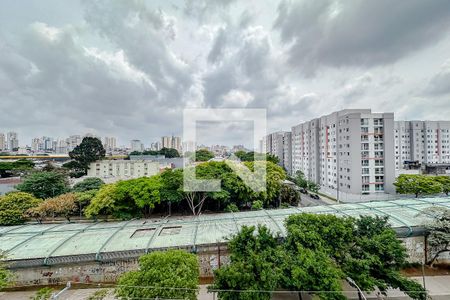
(114, 170)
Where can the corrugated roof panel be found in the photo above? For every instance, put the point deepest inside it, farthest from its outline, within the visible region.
(41, 240)
(38, 247)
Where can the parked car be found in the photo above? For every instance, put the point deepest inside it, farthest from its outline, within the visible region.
(303, 191)
(315, 196)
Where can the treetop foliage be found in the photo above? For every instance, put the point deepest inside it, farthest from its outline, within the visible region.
(419, 185)
(90, 150)
(172, 274)
(44, 184)
(318, 253)
(14, 205)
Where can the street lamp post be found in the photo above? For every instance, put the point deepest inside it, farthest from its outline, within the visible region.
(353, 284)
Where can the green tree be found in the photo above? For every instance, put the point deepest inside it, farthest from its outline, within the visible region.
(44, 184)
(88, 184)
(301, 180)
(90, 150)
(172, 274)
(231, 208)
(104, 202)
(257, 205)
(256, 261)
(64, 205)
(417, 185)
(169, 152)
(8, 168)
(203, 155)
(444, 180)
(438, 232)
(144, 192)
(366, 249)
(14, 205)
(289, 195)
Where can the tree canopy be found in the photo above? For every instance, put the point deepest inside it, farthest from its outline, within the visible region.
(44, 184)
(14, 205)
(172, 274)
(438, 232)
(318, 253)
(8, 168)
(417, 185)
(88, 184)
(203, 155)
(255, 156)
(90, 150)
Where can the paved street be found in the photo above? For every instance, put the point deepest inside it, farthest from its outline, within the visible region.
(438, 287)
(308, 201)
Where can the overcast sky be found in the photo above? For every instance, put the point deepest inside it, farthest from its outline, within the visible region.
(128, 68)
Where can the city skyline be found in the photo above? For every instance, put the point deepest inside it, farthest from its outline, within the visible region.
(297, 59)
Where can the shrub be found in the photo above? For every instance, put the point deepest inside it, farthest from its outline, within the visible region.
(231, 208)
(172, 274)
(257, 205)
(88, 184)
(13, 207)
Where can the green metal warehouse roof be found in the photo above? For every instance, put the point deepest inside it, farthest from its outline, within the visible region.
(47, 244)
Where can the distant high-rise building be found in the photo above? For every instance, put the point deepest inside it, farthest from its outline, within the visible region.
(36, 144)
(136, 145)
(110, 143)
(61, 146)
(12, 141)
(421, 143)
(189, 146)
(156, 146)
(2, 142)
(351, 150)
(173, 142)
(279, 144)
(73, 141)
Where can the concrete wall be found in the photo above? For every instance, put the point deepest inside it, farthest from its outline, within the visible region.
(106, 272)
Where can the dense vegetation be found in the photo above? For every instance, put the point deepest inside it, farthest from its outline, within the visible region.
(318, 253)
(167, 152)
(12, 168)
(139, 197)
(171, 274)
(13, 207)
(420, 185)
(162, 193)
(45, 184)
(255, 156)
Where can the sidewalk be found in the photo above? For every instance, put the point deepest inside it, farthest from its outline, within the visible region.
(438, 287)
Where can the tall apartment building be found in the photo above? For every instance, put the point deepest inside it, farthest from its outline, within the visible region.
(73, 141)
(422, 143)
(2, 142)
(173, 142)
(280, 144)
(12, 140)
(351, 150)
(109, 143)
(136, 145)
